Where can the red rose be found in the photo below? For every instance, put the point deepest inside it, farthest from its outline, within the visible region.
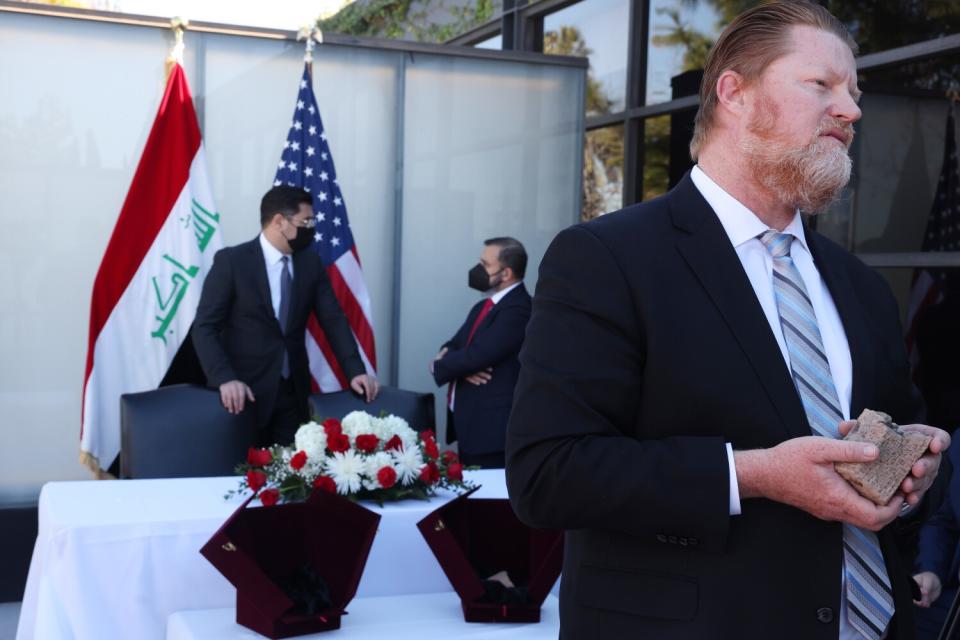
(259, 457)
(393, 444)
(269, 497)
(427, 435)
(387, 477)
(298, 460)
(325, 483)
(450, 457)
(430, 473)
(430, 449)
(338, 443)
(455, 471)
(256, 479)
(332, 426)
(367, 443)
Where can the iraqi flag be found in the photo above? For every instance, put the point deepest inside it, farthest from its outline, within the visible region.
(147, 288)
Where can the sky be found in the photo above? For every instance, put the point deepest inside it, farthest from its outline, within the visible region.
(275, 14)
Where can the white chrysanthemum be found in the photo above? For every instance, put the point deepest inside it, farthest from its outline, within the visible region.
(358, 423)
(408, 464)
(396, 426)
(374, 463)
(312, 440)
(346, 469)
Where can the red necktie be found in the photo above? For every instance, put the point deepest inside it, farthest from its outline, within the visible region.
(484, 310)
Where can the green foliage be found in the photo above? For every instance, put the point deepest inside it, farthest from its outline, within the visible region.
(410, 19)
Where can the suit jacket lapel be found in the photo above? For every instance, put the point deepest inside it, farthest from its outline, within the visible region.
(301, 278)
(258, 265)
(707, 250)
(851, 316)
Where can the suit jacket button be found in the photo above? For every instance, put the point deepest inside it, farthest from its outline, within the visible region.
(661, 537)
(825, 615)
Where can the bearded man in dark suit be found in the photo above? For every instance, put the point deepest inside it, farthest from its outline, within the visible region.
(691, 362)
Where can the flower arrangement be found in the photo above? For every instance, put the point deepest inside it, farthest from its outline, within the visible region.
(361, 457)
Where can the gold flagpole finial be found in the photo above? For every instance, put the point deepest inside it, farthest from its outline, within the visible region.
(179, 25)
(313, 35)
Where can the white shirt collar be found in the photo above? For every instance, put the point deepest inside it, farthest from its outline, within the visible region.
(271, 254)
(499, 295)
(740, 223)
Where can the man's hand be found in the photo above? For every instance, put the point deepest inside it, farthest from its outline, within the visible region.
(480, 377)
(925, 469)
(929, 588)
(800, 473)
(234, 395)
(439, 355)
(365, 386)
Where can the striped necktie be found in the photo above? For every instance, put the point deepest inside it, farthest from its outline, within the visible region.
(868, 592)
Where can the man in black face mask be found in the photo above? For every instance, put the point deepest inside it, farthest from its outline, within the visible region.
(249, 333)
(480, 362)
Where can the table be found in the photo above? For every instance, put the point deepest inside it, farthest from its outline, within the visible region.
(432, 615)
(113, 559)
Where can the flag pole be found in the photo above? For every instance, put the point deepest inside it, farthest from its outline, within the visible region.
(178, 25)
(312, 35)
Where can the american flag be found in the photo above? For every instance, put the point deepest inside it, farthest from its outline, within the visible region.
(942, 234)
(306, 162)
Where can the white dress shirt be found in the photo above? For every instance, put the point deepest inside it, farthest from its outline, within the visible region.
(272, 260)
(742, 227)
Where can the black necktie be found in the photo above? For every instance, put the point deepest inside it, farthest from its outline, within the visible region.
(284, 312)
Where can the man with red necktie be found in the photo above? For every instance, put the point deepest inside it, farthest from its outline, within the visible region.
(480, 362)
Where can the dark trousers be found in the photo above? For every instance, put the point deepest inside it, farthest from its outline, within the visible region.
(286, 418)
(483, 460)
(929, 621)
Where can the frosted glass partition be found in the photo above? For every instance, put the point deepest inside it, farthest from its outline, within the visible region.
(491, 147)
(489, 150)
(251, 87)
(77, 100)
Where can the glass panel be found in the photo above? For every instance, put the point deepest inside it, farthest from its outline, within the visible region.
(72, 128)
(602, 172)
(656, 156)
(881, 24)
(491, 150)
(933, 341)
(598, 30)
(898, 154)
(681, 34)
(243, 145)
(496, 42)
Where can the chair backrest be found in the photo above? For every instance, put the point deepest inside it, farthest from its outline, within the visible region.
(181, 431)
(416, 408)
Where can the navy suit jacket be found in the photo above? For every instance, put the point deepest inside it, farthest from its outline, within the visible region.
(646, 352)
(481, 411)
(940, 535)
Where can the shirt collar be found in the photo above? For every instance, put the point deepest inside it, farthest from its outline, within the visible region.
(740, 223)
(270, 253)
(499, 295)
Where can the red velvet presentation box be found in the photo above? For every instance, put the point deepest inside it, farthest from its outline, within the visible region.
(257, 546)
(464, 534)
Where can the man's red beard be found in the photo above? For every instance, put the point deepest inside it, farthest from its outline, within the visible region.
(809, 177)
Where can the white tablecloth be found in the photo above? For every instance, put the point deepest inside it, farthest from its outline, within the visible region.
(115, 559)
(433, 615)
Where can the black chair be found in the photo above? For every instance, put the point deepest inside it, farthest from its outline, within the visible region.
(181, 431)
(416, 408)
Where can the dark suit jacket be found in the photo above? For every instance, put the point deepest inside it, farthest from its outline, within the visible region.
(646, 352)
(237, 336)
(482, 410)
(940, 535)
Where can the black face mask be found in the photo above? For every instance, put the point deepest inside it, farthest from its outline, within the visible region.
(479, 279)
(302, 240)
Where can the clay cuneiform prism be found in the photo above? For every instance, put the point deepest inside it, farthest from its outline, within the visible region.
(879, 480)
